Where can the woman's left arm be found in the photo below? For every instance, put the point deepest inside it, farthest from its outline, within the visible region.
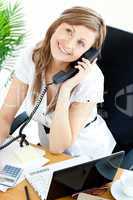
(67, 121)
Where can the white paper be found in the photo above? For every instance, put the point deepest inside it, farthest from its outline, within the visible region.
(9, 155)
(13, 155)
(63, 164)
(3, 188)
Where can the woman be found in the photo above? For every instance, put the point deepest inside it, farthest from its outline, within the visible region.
(69, 109)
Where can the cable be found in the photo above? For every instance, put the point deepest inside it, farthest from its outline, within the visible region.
(23, 136)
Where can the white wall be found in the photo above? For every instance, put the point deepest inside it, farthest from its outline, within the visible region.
(40, 13)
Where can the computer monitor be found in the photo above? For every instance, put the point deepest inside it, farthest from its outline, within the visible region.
(84, 176)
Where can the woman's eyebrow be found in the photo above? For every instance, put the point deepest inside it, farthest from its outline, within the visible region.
(74, 30)
(83, 39)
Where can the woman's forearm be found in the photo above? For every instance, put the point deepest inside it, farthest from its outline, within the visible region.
(60, 136)
(4, 130)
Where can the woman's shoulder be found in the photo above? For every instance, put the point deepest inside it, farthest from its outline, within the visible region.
(90, 88)
(25, 68)
(95, 75)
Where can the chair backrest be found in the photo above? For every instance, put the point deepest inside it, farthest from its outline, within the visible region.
(116, 62)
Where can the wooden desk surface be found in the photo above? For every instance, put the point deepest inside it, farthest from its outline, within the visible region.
(17, 193)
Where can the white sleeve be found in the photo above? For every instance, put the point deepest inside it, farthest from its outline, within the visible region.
(90, 89)
(24, 68)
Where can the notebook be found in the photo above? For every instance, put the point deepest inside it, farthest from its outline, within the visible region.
(29, 156)
(74, 175)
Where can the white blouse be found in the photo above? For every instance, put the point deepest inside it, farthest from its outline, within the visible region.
(95, 140)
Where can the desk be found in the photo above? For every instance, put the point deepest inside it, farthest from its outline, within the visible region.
(17, 193)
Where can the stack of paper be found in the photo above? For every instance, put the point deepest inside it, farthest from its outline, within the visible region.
(4, 188)
(31, 157)
(27, 157)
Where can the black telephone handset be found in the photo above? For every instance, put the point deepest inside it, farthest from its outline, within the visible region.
(61, 76)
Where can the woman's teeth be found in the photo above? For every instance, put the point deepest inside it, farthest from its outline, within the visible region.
(63, 50)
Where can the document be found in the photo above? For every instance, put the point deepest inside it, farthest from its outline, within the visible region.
(27, 157)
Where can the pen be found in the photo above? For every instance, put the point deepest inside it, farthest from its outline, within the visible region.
(27, 193)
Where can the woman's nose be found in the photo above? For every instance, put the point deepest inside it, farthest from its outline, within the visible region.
(70, 46)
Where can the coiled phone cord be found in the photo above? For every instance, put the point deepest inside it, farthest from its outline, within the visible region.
(23, 136)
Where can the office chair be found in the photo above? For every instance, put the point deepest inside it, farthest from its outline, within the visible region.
(116, 63)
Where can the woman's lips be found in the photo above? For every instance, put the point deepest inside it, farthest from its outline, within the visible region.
(64, 51)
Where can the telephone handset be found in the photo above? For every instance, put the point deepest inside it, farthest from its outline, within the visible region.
(61, 76)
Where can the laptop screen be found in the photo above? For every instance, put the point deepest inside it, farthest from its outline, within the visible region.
(84, 176)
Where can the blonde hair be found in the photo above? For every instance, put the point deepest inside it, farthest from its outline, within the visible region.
(42, 54)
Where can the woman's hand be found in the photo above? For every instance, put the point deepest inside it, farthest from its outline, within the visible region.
(84, 67)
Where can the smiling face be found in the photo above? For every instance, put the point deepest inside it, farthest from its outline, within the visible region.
(69, 42)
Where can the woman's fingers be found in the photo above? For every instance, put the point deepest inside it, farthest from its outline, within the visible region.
(79, 67)
(85, 64)
(82, 65)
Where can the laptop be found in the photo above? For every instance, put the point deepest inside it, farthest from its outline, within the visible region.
(73, 179)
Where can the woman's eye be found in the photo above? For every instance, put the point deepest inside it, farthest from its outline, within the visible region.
(80, 42)
(68, 30)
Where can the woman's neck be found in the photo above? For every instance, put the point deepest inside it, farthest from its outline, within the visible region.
(53, 68)
(57, 66)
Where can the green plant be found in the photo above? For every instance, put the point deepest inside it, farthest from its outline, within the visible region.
(12, 31)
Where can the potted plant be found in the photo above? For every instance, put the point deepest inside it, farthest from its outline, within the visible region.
(12, 34)
(12, 31)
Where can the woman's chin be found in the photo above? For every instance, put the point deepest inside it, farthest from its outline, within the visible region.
(63, 59)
